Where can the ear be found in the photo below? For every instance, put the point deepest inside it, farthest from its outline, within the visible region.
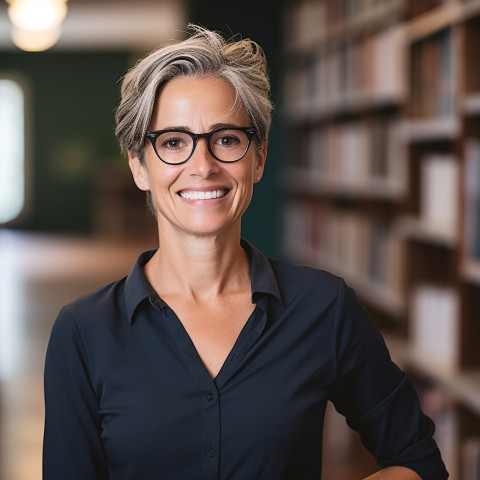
(260, 161)
(139, 172)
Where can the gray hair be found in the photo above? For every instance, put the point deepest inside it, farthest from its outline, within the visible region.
(241, 63)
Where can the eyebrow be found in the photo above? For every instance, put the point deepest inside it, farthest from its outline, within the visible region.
(213, 127)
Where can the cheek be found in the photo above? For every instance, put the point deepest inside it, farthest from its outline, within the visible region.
(160, 176)
(246, 172)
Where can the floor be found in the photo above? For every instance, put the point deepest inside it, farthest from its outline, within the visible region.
(39, 274)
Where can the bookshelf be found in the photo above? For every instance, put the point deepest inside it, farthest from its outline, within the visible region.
(345, 177)
(382, 183)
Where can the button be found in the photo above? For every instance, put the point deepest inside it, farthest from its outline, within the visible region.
(211, 397)
(211, 452)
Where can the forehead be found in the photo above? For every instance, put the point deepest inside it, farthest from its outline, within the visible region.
(194, 102)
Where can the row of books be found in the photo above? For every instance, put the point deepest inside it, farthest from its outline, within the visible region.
(362, 249)
(433, 76)
(308, 21)
(472, 198)
(348, 154)
(350, 74)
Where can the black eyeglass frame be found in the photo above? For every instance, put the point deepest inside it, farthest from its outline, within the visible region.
(152, 136)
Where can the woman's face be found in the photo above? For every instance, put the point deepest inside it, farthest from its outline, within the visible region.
(198, 105)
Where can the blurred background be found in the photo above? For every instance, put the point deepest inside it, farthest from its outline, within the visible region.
(373, 173)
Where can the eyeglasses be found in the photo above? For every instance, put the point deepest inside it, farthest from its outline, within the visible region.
(175, 147)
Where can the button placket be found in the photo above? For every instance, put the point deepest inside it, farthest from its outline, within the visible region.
(211, 433)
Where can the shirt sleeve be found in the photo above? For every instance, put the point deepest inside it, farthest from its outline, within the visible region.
(72, 445)
(377, 398)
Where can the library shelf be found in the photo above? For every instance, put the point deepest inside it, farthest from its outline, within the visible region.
(308, 183)
(352, 104)
(429, 130)
(326, 33)
(471, 271)
(462, 384)
(417, 229)
(470, 9)
(471, 105)
(353, 210)
(434, 20)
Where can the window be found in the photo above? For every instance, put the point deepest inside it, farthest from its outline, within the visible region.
(12, 149)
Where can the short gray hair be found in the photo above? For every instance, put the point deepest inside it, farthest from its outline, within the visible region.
(241, 63)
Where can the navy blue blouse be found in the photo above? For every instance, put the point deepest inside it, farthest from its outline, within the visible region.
(127, 396)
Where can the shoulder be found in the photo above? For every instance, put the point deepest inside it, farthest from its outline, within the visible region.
(321, 293)
(304, 280)
(98, 305)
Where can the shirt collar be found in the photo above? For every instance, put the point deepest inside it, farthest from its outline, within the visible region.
(138, 289)
(261, 273)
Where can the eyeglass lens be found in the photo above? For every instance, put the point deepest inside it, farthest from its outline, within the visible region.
(228, 145)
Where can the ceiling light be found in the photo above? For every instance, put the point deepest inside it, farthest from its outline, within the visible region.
(35, 40)
(37, 14)
(36, 24)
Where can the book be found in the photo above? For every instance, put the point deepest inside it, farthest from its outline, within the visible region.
(433, 76)
(439, 192)
(472, 198)
(434, 313)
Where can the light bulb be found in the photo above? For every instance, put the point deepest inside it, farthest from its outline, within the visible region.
(35, 40)
(37, 14)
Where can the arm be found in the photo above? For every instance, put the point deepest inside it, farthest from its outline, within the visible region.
(72, 446)
(394, 473)
(378, 400)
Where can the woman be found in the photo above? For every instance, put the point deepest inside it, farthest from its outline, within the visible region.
(210, 361)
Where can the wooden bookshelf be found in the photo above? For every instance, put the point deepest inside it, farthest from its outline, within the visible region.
(464, 384)
(396, 209)
(298, 181)
(415, 229)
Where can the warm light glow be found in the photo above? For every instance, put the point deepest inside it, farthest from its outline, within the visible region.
(37, 14)
(12, 158)
(35, 40)
(36, 23)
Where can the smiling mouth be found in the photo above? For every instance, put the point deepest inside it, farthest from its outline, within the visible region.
(209, 195)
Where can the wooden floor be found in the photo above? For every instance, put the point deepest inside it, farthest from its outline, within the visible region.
(39, 274)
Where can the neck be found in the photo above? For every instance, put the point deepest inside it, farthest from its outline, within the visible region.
(199, 266)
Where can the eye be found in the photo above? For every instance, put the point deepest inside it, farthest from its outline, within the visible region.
(172, 143)
(227, 140)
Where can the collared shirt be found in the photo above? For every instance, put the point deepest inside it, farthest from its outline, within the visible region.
(127, 396)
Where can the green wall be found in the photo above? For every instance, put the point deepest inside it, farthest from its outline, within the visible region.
(72, 102)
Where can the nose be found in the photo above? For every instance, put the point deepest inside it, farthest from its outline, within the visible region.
(202, 163)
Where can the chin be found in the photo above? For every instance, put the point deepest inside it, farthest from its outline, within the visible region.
(206, 232)
(210, 229)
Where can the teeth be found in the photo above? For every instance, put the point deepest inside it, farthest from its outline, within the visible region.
(194, 195)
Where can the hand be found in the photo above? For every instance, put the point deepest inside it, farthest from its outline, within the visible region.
(395, 473)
